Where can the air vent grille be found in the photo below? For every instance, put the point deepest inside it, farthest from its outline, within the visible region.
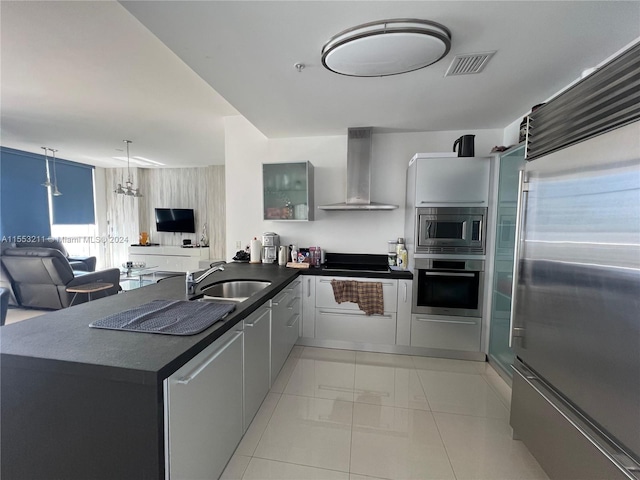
(603, 101)
(468, 63)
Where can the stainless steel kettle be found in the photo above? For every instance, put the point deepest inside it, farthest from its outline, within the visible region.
(283, 255)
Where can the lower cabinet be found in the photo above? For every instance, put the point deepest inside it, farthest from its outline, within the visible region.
(346, 322)
(355, 326)
(257, 353)
(286, 311)
(203, 410)
(444, 332)
(405, 298)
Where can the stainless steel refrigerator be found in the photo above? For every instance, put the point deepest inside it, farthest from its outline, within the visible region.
(576, 311)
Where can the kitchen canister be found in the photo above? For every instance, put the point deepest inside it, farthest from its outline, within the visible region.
(300, 211)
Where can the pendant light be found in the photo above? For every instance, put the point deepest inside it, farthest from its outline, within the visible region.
(128, 189)
(56, 192)
(47, 183)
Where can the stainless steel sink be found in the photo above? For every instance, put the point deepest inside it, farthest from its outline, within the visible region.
(237, 291)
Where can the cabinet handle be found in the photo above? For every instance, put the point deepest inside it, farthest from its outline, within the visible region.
(205, 364)
(292, 323)
(433, 320)
(405, 292)
(520, 225)
(285, 293)
(348, 314)
(292, 303)
(258, 319)
(384, 284)
(308, 287)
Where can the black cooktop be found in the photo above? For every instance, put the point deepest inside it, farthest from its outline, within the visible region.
(361, 262)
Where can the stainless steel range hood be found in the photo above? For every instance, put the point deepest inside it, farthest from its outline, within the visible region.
(358, 174)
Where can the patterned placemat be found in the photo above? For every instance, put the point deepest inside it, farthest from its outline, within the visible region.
(167, 317)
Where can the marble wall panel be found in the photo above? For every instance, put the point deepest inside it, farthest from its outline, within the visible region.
(202, 189)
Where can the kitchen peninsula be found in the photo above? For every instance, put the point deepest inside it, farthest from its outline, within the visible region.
(79, 402)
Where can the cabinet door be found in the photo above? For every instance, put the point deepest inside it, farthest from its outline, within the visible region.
(405, 297)
(325, 298)
(288, 191)
(257, 328)
(355, 326)
(203, 411)
(308, 306)
(452, 181)
(445, 332)
(286, 313)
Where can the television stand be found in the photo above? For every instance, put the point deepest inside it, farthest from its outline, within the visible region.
(172, 258)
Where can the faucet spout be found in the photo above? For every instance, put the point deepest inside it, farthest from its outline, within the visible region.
(192, 283)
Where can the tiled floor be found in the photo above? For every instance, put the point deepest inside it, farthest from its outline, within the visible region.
(15, 314)
(344, 415)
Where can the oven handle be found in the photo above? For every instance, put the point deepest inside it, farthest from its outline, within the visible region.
(449, 274)
(478, 202)
(523, 189)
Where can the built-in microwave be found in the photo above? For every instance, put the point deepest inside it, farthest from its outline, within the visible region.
(450, 230)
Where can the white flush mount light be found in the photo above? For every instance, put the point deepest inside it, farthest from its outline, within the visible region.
(386, 47)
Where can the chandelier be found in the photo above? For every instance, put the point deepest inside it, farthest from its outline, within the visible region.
(128, 185)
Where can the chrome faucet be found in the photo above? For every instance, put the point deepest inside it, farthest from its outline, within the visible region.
(193, 283)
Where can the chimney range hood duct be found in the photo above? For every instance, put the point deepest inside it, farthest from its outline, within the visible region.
(358, 174)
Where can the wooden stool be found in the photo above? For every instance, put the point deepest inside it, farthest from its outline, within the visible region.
(88, 288)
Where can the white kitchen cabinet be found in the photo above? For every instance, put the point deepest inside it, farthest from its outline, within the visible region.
(449, 181)
(405, 297)
(308, 306)
(203, 410)
(346, 322)
(169, 258)
(355, 326)
(286, 310)
(446, 332)
(325, 298)
(257, 354)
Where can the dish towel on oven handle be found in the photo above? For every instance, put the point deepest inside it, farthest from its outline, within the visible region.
(368, 295)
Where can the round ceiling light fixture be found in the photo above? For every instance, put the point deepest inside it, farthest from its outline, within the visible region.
(386, 47)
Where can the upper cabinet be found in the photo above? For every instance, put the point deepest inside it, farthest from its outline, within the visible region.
(287, 191)
(448, 181)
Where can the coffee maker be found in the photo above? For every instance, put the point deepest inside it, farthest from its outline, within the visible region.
(270, 244)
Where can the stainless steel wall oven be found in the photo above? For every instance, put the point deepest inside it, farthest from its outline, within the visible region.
(450, 230)
(448, 287)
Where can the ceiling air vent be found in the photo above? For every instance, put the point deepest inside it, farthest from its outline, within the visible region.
(468, 63)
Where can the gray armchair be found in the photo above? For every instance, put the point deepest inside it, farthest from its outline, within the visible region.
(82, 264)
(40, 277)
(4, 304)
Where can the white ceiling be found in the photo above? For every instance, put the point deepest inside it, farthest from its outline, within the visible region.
(83, 76)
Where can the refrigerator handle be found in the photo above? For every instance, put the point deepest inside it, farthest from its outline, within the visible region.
(523, 188)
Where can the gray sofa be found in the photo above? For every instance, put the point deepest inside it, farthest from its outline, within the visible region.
(82, 264)
(40, 277)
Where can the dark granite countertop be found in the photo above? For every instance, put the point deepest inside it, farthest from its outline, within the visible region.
(62, 341)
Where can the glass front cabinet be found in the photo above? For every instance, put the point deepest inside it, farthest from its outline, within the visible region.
(500, 354)
(287, 191)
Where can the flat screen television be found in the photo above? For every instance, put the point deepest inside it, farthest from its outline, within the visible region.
(175, 220)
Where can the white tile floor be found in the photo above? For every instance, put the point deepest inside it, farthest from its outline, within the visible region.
(344, 415)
